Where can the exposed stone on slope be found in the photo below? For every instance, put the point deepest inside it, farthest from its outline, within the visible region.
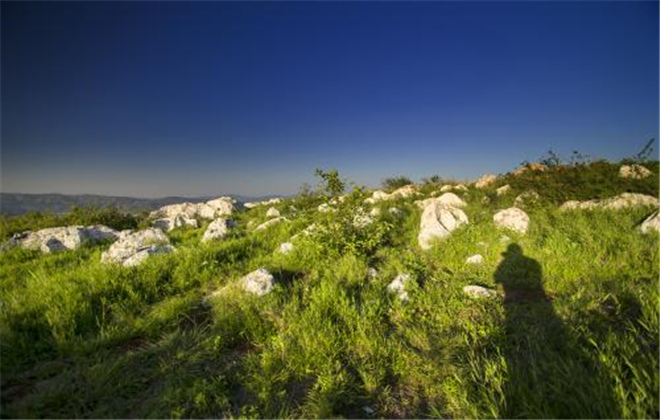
(167, 215)
(259, 282)
(286, 247)
(525, 198)
(254, 204)
(485, 181)
(218, 229)
(61, 238)
(618, 202)
(512, 218)
(479, 292)
(503, 190)
(170, 223)
(132, 248)
(475, 259)
(448, 199)
(272, 212)
(271, 222)
(634, 171)
(438, 221)
(398, 286)
(651, 223)
(537, 167)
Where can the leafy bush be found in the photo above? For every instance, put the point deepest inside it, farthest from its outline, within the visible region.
(331, 183)
(392, 184)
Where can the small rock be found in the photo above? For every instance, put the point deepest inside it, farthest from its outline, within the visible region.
(398, 287)
(286, 247)
(372, 273)
(395, 211)
(474, 259)
(652, 223)
(512, 218)
(479, 292)
(272, 212)
(527, 197)
(503, 190)
(368, 410)
(621, 201)
(271, 222)
(375, 212)
(259, 282)
(325, 208)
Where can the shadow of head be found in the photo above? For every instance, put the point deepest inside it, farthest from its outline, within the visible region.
(518, 272)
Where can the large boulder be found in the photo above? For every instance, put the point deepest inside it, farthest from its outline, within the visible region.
(512, 218)
(438, 221)
(132, 248)
(651, 223)
(218, 229)
(618, 202)
(259, 282)
(485, 181)
(61, 238)
(634, 171)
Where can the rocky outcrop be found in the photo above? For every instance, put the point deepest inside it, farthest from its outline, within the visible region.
(259, 282)
(212, 209)
(62, 238)
(535, 167)
(132, 248)
(218, 229)
(438, 221)
(634, 171)
(651, 223)
(485, 181)
(618, 202)
(403, 192)
(398, 287)
(512, 218)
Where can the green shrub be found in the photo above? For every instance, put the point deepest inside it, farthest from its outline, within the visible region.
(391, 184)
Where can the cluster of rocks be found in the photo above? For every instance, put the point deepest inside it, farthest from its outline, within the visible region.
(440, 218)
(618, 202)
(270, 202)
(403, 192)
(634, 171)
(187, 214)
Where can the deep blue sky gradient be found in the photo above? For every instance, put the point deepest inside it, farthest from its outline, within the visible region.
(179, 98)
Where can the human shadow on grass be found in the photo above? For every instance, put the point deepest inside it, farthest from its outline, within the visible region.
(550, 375)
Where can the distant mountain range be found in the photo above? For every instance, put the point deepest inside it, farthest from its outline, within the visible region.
(12, 204)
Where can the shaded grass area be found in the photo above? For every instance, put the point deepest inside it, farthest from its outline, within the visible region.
(572, 333)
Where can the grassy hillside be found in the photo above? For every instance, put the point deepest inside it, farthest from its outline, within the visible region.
(82, 339)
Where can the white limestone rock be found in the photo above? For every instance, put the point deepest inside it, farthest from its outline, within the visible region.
(133, 248)
(525, 198)
(651, 223)
(475, 259)
(218, 229)
(61, 238)
(634, 171)
(398, 286)
(512, 218)
(438, 221)
(170, 223)
(479, 292)
(503, 190)
(485, 181)
(265, 225)
(286, 247)
(259, 282)
(272, 212)
(621, 201)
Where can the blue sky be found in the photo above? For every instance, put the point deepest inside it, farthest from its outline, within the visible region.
(203, 98)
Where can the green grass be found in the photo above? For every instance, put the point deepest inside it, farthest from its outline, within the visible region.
(82, 339)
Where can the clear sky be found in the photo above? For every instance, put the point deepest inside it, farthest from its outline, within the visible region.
(203, 98)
